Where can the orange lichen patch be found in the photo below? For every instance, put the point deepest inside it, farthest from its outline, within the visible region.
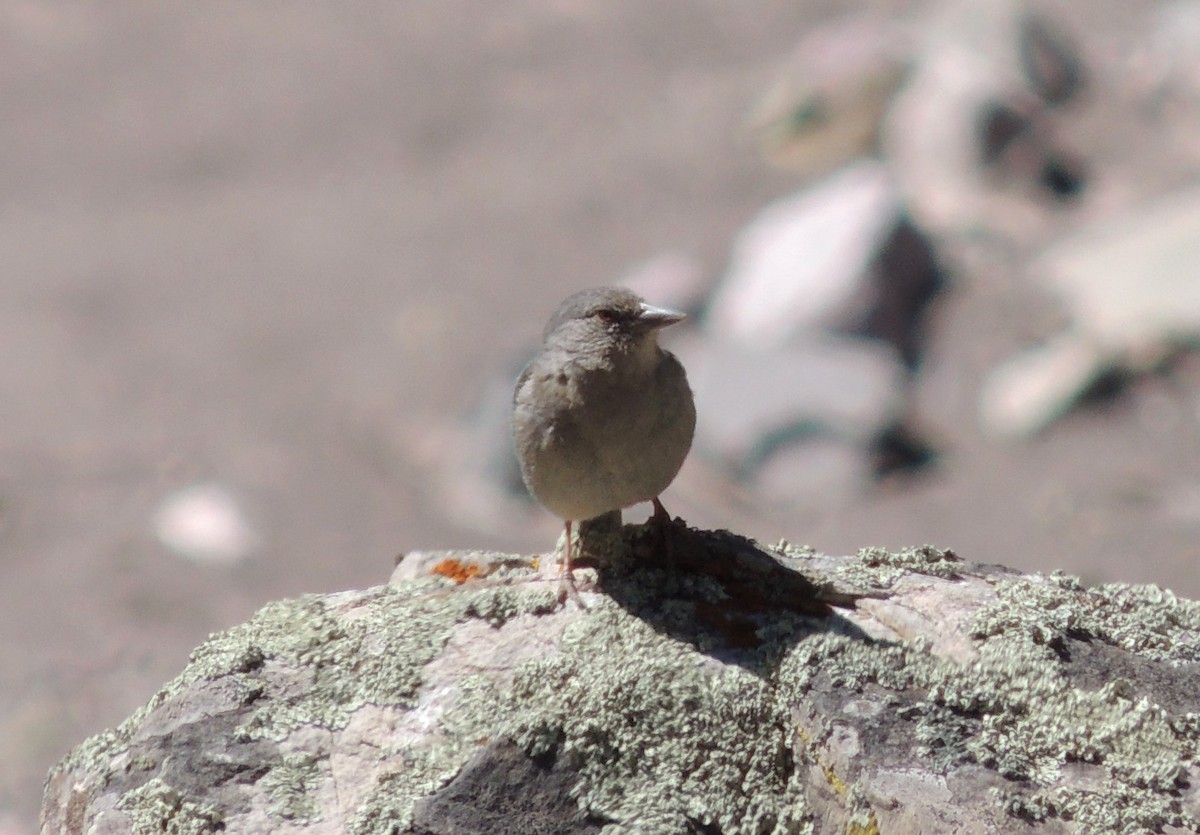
(454, 570)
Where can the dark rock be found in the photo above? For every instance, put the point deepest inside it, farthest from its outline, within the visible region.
(502, 789)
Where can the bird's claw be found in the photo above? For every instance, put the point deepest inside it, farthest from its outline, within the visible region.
(567, 590)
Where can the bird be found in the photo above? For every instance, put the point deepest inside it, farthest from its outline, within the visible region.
(602, 416)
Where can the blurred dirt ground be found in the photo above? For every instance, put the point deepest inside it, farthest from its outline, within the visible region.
(280, 246)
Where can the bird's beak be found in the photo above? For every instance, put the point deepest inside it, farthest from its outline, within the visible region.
(658, 317)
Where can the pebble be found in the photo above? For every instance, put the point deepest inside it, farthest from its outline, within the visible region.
(205, 524)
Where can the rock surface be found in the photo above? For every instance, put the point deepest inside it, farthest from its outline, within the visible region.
(736, 687)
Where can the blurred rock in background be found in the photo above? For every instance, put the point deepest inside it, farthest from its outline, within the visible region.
(301, 254)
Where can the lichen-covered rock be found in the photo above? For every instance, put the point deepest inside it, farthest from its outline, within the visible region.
(711, 685)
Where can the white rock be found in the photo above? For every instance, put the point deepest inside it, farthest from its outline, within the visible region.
(803, 259)
(1172, 52)
(1133, 282)
(1029, 390)
(204, 523)
(1131, 288)
(970, 62)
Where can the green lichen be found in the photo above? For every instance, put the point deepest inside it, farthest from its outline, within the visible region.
(502, 603)
(1111, 806)
(388, 807)
(375, 656)
(305, 633)
(943, 734)
(879, 568)
(662, 738)
(862, 819)
(1145, 620)
(352, 661)
(292, 784)
(1018, 710)
(1037, 718)
(667, 730)
(419, 770)
(315, 661)
(472, 716)
(156, 808)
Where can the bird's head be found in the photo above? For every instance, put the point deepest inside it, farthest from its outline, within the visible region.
(611, 319)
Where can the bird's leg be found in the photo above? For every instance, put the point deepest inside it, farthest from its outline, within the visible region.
(567, 587)
(661, 520)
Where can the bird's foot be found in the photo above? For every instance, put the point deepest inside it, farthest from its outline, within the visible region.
(567, 590)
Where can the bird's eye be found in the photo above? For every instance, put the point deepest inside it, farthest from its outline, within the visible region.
(606, 316)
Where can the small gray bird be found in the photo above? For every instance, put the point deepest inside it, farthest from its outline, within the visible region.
(602, 416)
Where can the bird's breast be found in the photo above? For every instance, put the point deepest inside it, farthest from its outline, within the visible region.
(594, 439)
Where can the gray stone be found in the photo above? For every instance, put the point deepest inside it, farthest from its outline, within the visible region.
(1170, 62)
(750, 400)
(949, 62)
(735, 688)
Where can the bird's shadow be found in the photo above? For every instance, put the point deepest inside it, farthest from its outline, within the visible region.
(720, 592)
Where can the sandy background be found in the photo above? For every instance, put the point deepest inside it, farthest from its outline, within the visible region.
(279, 246)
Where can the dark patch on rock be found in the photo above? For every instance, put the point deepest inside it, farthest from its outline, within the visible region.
(502, 789)
(1091, 664)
